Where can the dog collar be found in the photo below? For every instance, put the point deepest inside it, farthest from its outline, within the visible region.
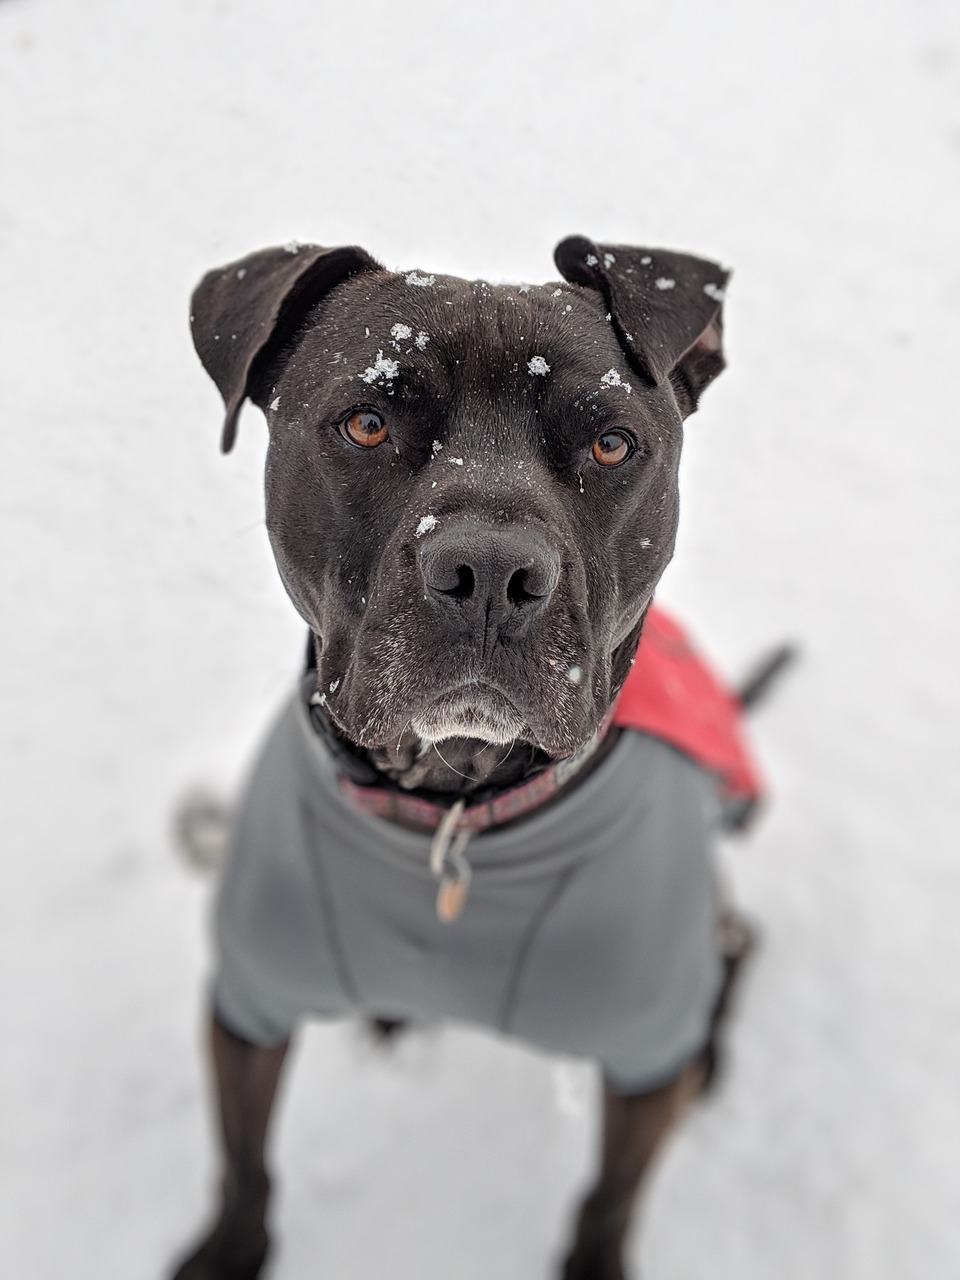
(411, 810)
(452, 825)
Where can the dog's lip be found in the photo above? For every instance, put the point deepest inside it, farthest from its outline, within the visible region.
(473, 701)
(466, 691)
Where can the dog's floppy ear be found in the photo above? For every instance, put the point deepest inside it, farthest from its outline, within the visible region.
(665, 307)
(243, 312)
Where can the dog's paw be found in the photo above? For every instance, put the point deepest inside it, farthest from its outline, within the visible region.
(220, 1257)
(594, 1264)
(201, 829)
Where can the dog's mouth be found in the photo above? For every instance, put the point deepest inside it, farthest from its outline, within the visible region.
(473, 710)
(392, 690)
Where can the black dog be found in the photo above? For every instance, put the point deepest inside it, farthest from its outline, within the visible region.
(471, 496)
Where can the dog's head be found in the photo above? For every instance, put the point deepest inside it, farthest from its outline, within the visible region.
(471, 488)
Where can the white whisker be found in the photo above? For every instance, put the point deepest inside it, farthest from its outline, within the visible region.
(450, 766)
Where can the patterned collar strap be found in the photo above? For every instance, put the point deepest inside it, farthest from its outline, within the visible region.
(415, 811)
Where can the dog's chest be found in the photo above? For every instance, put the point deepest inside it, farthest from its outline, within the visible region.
(587, 928)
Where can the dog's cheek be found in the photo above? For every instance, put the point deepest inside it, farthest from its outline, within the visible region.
(633, 545)
(375, 661)
(299, 528)
(322, 548)
(375, 677)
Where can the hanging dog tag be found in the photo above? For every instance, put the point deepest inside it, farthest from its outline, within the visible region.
(451, 898)
(450, 866)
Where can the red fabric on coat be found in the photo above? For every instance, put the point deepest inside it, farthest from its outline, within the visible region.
(672, 694)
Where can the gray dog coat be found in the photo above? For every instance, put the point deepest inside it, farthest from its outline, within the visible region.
(590, 927)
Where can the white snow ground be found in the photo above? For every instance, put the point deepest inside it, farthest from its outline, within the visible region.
(815, 146)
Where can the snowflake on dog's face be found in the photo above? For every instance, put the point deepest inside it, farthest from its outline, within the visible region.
(383, 368)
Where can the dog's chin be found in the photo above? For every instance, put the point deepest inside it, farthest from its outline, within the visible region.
(474, 712)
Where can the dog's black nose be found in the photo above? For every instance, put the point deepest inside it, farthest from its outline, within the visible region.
(493, 578)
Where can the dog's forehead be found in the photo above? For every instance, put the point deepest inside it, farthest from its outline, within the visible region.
(541, 329)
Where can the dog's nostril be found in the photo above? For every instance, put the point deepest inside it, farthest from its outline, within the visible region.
(536, 580)
(521, 588)
(464, 586)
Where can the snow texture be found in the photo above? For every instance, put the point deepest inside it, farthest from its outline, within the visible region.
(382, 368)
(426, 525)
(612, 379)
(664, 282)
(147, 640)
(538, 366)
(401, 332)
(420, 281)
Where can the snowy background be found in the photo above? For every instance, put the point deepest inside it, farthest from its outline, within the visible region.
(815, 147)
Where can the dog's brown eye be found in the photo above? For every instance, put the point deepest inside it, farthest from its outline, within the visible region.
(364, 428)
(612, 448)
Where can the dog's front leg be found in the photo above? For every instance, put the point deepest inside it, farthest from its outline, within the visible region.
(246, 1077)
(634, 1126)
